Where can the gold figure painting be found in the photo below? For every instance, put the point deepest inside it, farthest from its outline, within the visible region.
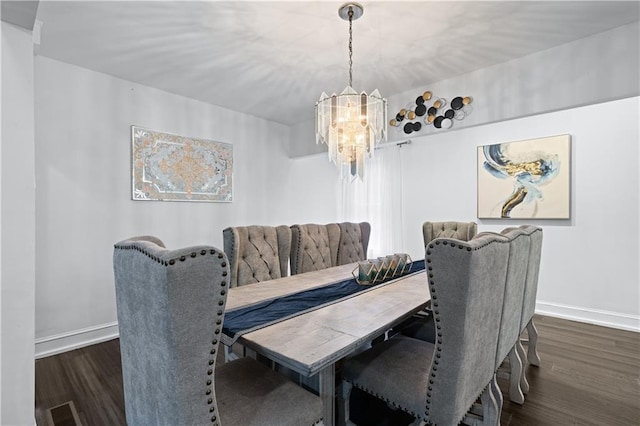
(527, 179)
(169, 167)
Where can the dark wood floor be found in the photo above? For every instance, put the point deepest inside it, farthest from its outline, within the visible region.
(589, 375)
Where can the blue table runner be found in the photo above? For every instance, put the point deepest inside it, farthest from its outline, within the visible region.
(254, 317)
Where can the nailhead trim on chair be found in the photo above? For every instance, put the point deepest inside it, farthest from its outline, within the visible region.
(165, 262)
(436, 317)
(436, 314)
(211, 363)
(233, 261)
(253, 257)
(214, 342)
(380, 397)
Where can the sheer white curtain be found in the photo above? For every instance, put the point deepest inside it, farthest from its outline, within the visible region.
(377, 200)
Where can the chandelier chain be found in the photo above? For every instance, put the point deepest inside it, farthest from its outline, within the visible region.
(350, 47)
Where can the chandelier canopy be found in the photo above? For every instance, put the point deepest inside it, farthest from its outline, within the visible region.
(351, 123)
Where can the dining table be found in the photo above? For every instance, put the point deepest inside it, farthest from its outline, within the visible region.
(313, 341)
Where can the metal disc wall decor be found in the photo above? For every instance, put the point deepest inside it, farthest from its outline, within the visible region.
(431, 111)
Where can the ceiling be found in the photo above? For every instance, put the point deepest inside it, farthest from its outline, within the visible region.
(273, 59)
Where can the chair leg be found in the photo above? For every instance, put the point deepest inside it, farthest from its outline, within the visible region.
(228, 354)
(487, 412)
(515, 364)
(497, 394)
(524, 385)
(532, 350)
(346, 393)
(490, 409)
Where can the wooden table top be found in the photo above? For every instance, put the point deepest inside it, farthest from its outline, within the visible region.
(246, 295)
(310, 342)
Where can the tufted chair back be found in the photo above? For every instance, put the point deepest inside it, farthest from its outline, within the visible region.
(533, 270)
(314, 247)
(169, 302)
(354, 240)
(467, 281)
(463, 231)
(257, 253)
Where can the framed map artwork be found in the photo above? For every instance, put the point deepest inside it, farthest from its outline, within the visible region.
(169, 167)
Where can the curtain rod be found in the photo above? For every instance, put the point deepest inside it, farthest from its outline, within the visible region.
(396, 143)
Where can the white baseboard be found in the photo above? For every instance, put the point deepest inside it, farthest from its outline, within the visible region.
(591, 316)
(64, 342)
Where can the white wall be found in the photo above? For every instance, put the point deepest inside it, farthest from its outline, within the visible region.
(312, 191)
(17, 227)
(83, 198)
(303, 140)
(589, 269)
(590, 263)
(83, 204)
(516, 100)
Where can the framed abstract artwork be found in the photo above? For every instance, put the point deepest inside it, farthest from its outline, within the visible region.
(527, 179)
(169, 167)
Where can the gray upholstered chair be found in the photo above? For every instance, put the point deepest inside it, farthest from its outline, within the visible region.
(354, 242)
(529, 302)
(257, 253)
(170, 306)
(463, 231)
(314, 247)
(519, 243)
(420, 326)
(439, 382)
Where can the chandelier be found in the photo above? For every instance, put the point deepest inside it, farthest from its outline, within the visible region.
(351, 123)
